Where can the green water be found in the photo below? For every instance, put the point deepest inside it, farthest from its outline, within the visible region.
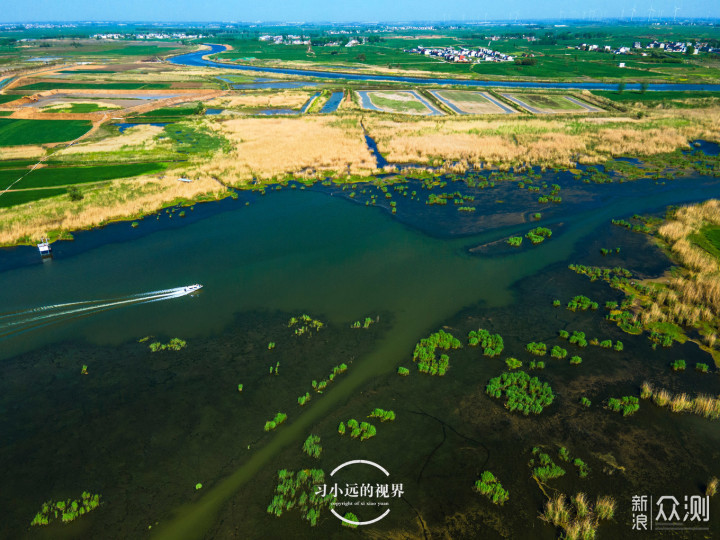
(291, 252)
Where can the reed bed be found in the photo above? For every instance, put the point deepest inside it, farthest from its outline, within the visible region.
(579, 518)
(520, 140)
(120, 199)
(267, 148)
(291, 99)
(702, 405)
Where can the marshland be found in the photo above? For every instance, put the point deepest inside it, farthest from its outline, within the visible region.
(524, 388)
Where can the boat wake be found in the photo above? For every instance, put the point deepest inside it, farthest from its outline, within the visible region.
(17, 322)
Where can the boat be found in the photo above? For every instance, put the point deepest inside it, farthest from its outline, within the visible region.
(192, 288)
(44, 248)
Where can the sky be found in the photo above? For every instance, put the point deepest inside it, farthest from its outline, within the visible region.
(343, 11)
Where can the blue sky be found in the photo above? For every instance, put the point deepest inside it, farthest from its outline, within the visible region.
(367, 10)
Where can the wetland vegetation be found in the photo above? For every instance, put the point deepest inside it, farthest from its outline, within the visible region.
(424, 224)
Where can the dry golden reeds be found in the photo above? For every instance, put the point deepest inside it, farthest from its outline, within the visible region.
(712, 487)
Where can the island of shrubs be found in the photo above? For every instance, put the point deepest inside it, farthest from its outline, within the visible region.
(361, 430)
(298, 490)
(492, 344)
(489, 486)
(521, 392)
(424, 354)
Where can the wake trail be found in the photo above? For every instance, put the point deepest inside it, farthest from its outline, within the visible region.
(18, 322)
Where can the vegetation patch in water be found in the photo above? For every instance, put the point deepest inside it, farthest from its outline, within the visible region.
(578, 519)
(358, 430)
(383, 415)
(492, 344)
(424, 354)
(539, 349)
(365, 324)
(521, 392)
(175, 344)
(628, 405)
(515, 241)
(491, 487)
(304, 325)
(544, 468)
(67, 510)
(312, 447)
(702, 405)
(582, 303)
(538, 235)
(301, 490)
(275, 422)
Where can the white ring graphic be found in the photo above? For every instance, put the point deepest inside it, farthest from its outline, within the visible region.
(354, 462)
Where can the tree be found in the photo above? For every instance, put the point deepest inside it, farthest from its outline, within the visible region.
(621, 87)
(643, 87)
(361, 57)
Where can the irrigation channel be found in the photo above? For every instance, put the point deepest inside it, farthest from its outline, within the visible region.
(142, 428)
(199, 59)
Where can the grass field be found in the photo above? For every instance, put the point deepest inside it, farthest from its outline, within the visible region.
(401, 102)
(548, 102)
(36, 87)
(16, 132)
(654, 96)
(708, 238)
(7, 98)
(77, 108)
(13, 198)
(470, 102)
(63, 176)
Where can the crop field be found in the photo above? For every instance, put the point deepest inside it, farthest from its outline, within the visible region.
(17, 132)
(7, 98)
(468, 102)
(405, 102)
(13, 198)
(78, 108)
(65, 176)
(548, 103)
(51, 85)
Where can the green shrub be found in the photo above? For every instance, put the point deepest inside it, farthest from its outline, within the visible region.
(522, 393)
(489, 486)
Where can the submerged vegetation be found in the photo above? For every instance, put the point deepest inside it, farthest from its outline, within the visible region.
(521, 392)
(67, 510)
(298, 490)
(491, 487)
(424, 354)
(304, 325)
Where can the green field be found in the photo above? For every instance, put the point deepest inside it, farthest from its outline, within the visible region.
(13, 198)
(7, 98)
(16, 132)
(631, 96)
(63, 176)
(547, 102)
(5, 113)
(464, 95)
(77, 108)
(708, 239)
(35, 87)
(397, 105)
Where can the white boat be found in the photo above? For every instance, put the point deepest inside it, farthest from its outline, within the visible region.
(192, 288)
(44, 248)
